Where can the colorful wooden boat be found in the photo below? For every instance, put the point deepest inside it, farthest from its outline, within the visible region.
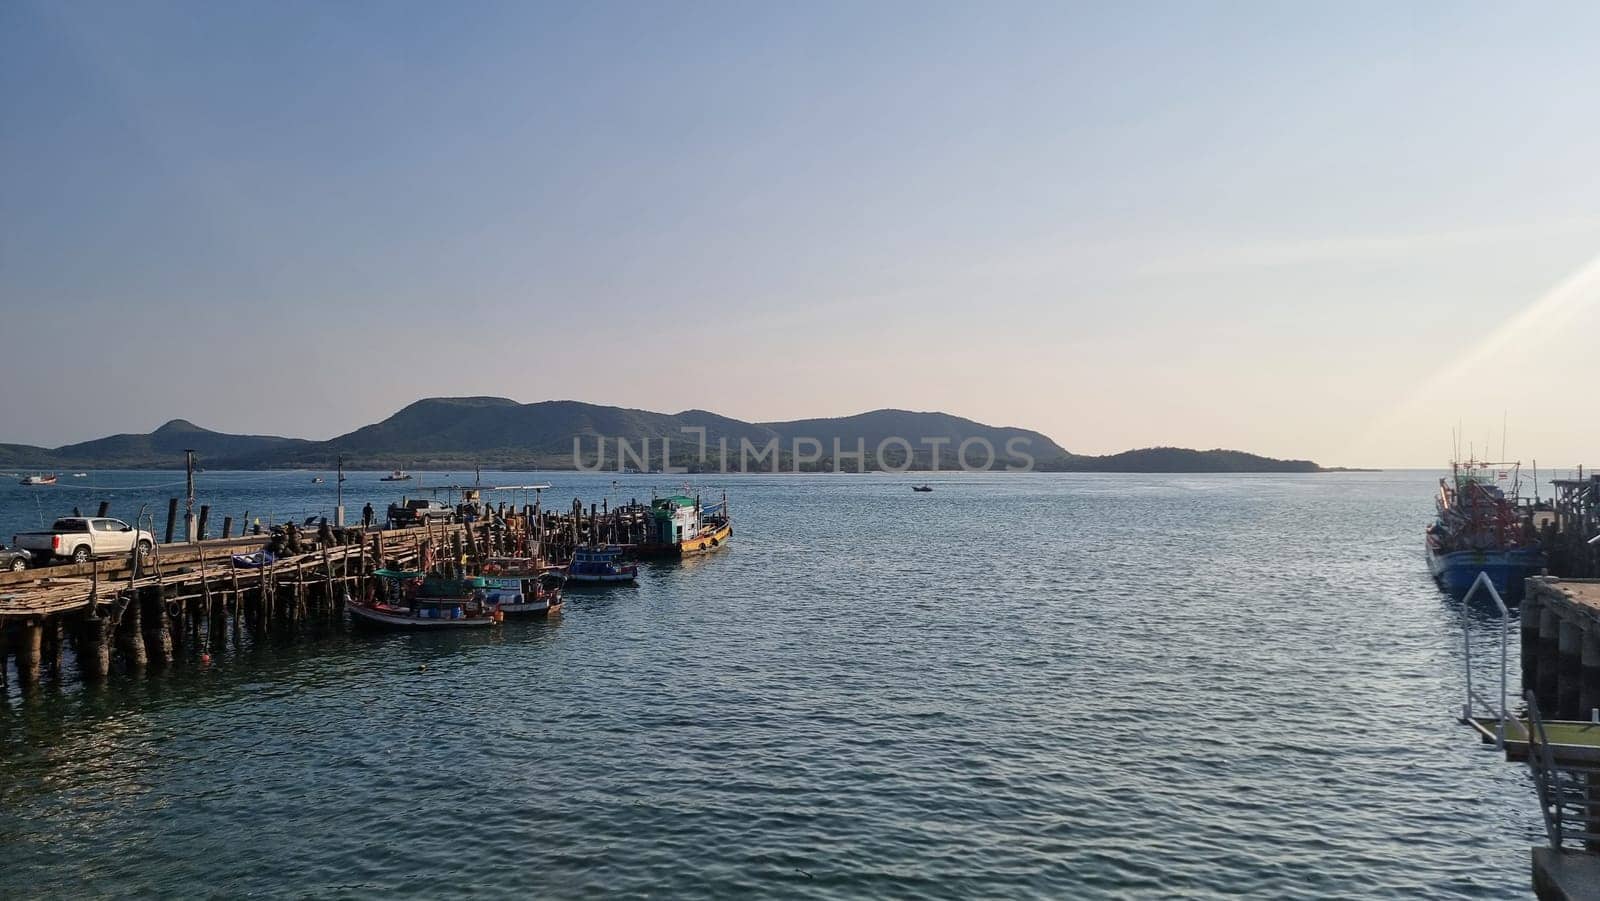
(681, 527)
(522, 586)
(601, 565)
(425, 602)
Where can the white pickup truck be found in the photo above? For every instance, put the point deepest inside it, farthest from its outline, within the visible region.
(82, 537)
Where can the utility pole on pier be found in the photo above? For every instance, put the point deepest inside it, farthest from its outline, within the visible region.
(338, 489)
(188, 507)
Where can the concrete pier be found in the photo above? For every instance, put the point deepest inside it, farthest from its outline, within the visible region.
(1565, 875)
(1561, 663)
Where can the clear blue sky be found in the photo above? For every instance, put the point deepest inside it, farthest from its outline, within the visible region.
(1317, 232)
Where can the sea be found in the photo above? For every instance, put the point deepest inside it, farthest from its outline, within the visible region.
(1018, 685)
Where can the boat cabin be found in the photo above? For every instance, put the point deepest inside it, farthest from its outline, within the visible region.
(674, 518)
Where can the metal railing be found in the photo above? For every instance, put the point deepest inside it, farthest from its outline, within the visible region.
(1566, 791)
(1474, 701)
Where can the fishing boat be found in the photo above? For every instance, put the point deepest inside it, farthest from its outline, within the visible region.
(40, 480)
(921, 487)
(1480, 528)
(317, 480)
(601, 565)
(425, 602)
(522, 586)
(679, 527)
(399, 475)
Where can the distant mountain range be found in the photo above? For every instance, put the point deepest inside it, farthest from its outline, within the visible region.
(493, 432)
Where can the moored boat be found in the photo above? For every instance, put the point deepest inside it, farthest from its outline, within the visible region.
(399, 475)
(522, 586)
(1480, 529)
(680, 527)
(425, 601)
(601, 565)
(40, 480)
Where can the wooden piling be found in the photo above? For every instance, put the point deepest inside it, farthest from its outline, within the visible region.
(205, 515)
(93, 647)
(227, 527)
(52, 646)
(105, 509)
(172, 518)
(157, 635)
(30, 638)
(130, 635)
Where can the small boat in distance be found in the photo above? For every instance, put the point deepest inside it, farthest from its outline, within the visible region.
(921, 487)
(317, 480)
(600, 565)
(398, 475)
(40, 480)
(80, 475)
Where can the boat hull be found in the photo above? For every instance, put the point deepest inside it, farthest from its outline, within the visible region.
(539, 609)
(1456, 571)
(600, 578)
(377, 619)
(703, 544)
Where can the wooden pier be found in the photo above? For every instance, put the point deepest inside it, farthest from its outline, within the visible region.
(189, 600)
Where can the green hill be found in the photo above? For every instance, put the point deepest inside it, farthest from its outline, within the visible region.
(1177, 459)
(455, 432)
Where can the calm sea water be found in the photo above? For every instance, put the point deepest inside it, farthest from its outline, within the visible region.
(1016, 686)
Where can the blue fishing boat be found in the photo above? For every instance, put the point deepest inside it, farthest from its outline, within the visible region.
(599, 565)
(1480, 529)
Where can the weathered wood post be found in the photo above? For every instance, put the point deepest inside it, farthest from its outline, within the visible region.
(30, 637)
(227, 527)
(205, 515)
(105, 509)
(93, 646)
(157, 633)
(52, 646)
(130, 635)
(172, 518)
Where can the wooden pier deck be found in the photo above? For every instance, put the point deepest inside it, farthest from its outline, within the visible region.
(188, 598)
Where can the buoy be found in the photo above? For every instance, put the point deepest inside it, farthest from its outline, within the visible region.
(422, 667)
(205, 659)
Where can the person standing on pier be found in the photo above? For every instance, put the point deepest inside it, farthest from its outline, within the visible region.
(366, 516)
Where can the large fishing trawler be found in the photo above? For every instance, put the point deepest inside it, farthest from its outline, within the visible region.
(1480, 528)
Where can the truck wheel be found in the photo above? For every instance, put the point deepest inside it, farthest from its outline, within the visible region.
(80, 554)
(144, 549)
(18, 565)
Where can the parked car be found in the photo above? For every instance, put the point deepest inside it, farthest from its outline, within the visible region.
(413, 513)
(14, 559)
(79, 538)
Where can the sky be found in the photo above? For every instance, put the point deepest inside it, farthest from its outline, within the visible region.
(1334, 231)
